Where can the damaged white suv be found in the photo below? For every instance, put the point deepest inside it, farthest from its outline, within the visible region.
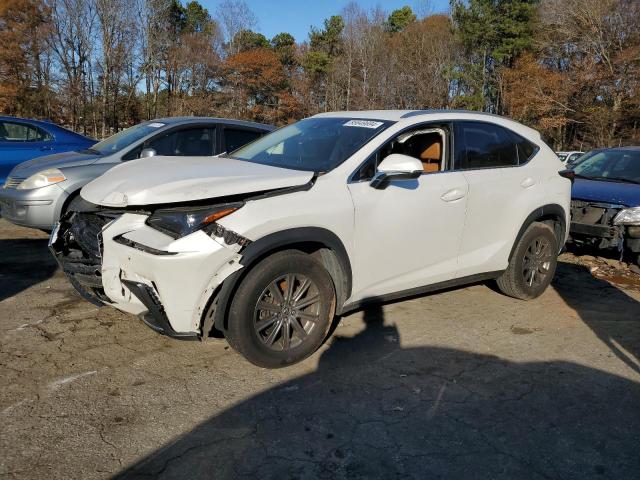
(266, 244)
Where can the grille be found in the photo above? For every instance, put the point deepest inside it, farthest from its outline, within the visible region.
(87, 229)
(13, 182)
(593, 213)
(78, 248)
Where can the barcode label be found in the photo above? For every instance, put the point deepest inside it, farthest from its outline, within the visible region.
(363, 124)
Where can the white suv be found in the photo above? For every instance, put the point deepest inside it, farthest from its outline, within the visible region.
(265, 245)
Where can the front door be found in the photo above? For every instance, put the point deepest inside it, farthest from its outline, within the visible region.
(408, 234)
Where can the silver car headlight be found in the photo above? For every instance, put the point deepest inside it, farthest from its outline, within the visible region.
(42, 179)
(628, 216)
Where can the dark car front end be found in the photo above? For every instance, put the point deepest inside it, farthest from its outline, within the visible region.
(605, 205)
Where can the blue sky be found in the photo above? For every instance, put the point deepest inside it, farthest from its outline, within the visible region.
(296, 16)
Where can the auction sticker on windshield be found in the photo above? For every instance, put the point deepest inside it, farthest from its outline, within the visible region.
(156, 125)
(363, 124)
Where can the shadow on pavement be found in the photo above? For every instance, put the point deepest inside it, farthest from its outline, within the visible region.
(613, 315)
(24, 262)
(376, 410)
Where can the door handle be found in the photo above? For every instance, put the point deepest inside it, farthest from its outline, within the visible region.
(453, 195)
(527, 182)
(44, 149)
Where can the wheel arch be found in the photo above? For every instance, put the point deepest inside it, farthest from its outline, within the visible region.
(552, 213)
(321, 243)
(71, 196)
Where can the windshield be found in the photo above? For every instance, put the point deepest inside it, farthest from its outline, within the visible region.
(577, 157)
(614, 165)
(314, 145)
(124, 138)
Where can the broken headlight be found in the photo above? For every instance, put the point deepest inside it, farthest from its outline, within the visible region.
(628, 216)
(181, 221)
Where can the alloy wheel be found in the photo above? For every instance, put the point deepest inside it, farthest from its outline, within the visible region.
(288, 309)
(537, 261)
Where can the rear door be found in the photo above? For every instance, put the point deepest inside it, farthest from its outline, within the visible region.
(504, 187)
(234, 137)
(19, 142)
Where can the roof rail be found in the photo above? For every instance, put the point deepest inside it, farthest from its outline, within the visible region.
(415, 113)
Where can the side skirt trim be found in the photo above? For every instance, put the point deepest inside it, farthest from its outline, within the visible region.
(456, 282)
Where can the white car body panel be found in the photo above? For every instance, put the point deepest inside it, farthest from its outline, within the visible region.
(329, 207)
(177, 179)
(413, 233)
(407, 235)
(496, 198)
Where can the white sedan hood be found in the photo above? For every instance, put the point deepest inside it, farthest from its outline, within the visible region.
(159, 180)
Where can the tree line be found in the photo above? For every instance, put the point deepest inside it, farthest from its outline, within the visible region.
(569, 68)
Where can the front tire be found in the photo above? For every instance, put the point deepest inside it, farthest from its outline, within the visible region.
(532, 265)
(282, 310)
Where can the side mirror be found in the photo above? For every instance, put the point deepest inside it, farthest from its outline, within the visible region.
(568, 173)
(396, 167)
(147, 152)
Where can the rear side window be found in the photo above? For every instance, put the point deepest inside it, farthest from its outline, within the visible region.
(235, 138)
(189, 142)
(485, 145)
(526, 149)
(20, 132)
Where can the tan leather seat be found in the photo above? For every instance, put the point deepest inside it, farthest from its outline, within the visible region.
(431, 157)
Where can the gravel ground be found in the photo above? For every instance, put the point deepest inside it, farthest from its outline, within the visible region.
(464, 383)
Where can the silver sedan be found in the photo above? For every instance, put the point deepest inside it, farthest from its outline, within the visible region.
(38, 192)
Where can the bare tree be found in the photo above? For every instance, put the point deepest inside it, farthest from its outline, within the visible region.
(117, 37)
(595, 45)
(152, 16)
(71, 39)
(234, 16)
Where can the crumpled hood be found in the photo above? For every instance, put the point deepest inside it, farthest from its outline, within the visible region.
(159, 180)
(57, 160)
(618, 193)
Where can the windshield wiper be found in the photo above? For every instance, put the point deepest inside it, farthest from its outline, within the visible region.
(624, 180)
(91, 150)
(611, 179)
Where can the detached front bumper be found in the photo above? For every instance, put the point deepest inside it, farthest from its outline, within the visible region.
(37, 208)
(142, 271)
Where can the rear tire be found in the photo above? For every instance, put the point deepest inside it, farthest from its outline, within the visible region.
(282, 310)
(532, 265)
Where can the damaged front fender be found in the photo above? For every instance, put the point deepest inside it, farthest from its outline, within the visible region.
(176, 274)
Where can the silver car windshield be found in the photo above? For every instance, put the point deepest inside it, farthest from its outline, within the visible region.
(124, 138)
(314, 145)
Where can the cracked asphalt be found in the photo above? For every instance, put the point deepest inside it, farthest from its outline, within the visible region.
(464, 383)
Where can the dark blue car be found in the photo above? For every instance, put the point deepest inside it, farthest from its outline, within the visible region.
(22, 139)
(605, 201)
